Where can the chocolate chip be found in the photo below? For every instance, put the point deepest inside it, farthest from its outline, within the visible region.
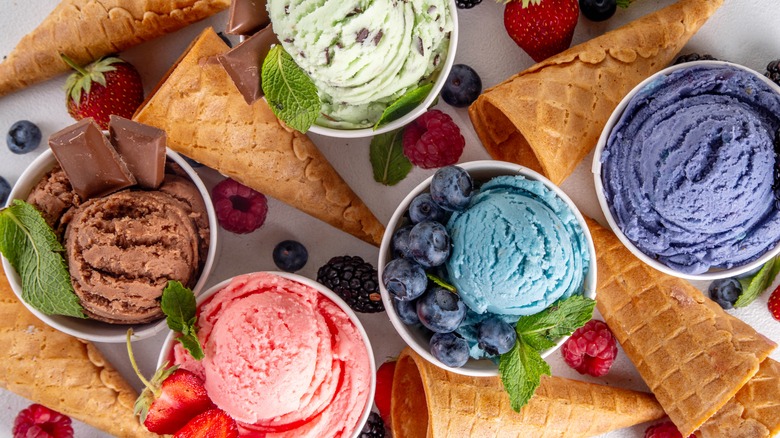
(362, 35)
(302, 55)
(339, 45)
(288, 40)
(378, 37)
(286, 9)
(431, 10)
(355, 12)
(420, 46)
(327, 56)
(436, 60)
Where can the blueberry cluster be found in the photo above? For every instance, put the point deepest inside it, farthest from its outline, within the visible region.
(424, 245)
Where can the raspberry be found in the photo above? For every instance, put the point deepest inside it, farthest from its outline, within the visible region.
(239, 209)
(433, 140)
(664, 430)
(591, 349)
(38, 421)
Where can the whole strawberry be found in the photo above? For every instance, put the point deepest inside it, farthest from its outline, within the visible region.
(542, 28)
(774, 304)
(384, 386)
(107, 86)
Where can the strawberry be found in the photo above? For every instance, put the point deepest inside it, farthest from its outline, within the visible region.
(214, 423)
(774, 304)
(107, 86)
(172, 398)
(384, 386)
(542, 28)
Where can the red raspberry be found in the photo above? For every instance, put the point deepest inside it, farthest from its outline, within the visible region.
(591, 349)
(664, 430)
(38, 421)
(239, 209)
(774, 304)
(433, 140)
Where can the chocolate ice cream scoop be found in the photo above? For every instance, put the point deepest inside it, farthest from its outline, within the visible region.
(53, 196)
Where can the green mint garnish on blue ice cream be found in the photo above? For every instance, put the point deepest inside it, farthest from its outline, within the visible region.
(521, 369)
(757, 283)
(31, 246)
(404, 104)
(179, 306)
(290, 92)
(387, 158)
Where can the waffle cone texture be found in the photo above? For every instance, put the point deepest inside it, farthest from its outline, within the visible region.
(428, 401)
(207, 119)
(61, 372)
(86, 30)
(693, 356)
(549, 117)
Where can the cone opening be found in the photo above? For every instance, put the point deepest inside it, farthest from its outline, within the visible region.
(409, 407)
(505, 142)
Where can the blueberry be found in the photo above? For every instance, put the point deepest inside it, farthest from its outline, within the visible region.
(5, 190)
(452, 188)
(450, 349)
(463, 86)
(441, 310)
(598, 10)
(429, 244)
(24, 136)
(725, 292)
(423, 209)
(400, 242)
(406, 311)
(290, 255)
(496, 336)
(405, 279)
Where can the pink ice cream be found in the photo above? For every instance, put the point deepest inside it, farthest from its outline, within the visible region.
(281, 359)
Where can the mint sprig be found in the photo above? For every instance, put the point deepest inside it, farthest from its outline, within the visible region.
(31, 246)
(404, 104)
(387, 157)
(757, 283)
(522, 367)
(178, 305)
(441, 283)
(290, 92)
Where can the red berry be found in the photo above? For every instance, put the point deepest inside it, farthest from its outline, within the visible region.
(38, 421)
(214, 423)
(541, 28)
(433, 140)
(774, 304)
(384, 386)
(591, 349)
(239, 209)
(664, 430)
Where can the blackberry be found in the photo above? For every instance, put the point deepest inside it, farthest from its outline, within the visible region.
(374, 427)
(773, 71)
(693, 57)
(467, 4)
(355, 281)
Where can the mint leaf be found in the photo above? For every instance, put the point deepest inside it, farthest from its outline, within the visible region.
(754, 285)
(543, 329)
(404, 104)
(441, 283)
(179, 306)
(290, 92)
(387, 158)
(521, 372)
(31, 246)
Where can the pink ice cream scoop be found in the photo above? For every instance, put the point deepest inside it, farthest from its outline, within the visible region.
(281, 358)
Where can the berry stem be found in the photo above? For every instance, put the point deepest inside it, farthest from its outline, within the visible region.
(73, 64)
(135, 365)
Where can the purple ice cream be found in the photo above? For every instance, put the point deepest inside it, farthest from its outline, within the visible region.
(689, 168)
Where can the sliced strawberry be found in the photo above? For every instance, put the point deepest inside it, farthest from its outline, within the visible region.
(542, 28)
(214, 423)
(774, 304)
(384, 386)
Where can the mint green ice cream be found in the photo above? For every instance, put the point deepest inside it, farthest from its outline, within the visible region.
(363, 54)
(516, 249)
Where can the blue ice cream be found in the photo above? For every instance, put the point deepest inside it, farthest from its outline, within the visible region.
(516, 249)
(688, 168)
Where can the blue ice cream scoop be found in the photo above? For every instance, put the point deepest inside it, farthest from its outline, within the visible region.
(516, 249)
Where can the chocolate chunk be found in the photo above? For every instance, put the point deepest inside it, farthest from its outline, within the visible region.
(362, 35)
(244, 63)
(247, 17)
(142, 148)
(92, 165)
(420, 46)
(378, 37)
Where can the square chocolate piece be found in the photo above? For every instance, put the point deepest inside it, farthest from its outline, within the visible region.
(244, 63)
(247, 17)
(142, 147)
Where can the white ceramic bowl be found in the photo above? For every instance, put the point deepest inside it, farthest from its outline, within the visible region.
(415, 336)
(90, 329)
(167, 347)
(713, 273)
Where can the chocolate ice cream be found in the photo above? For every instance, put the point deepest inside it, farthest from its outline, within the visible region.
(53, 196)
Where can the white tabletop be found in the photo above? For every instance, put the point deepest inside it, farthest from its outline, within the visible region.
(742, 31)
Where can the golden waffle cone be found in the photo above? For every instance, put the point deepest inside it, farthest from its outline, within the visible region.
(550, 116)
(85, 30)
(207, 119)
(61, 372)
(692, 354)
(428, 401)
(754, 412)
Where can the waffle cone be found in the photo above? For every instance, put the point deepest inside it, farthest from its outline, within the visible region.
(428, 401)
(86, 30)
(549, 117)
(61, 372)
(692, 354)
(207, 119)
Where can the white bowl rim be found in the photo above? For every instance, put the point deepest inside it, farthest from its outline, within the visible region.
(713, 273)
(486, 367)
(117, 332)
(418, 110)
(169, 338)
